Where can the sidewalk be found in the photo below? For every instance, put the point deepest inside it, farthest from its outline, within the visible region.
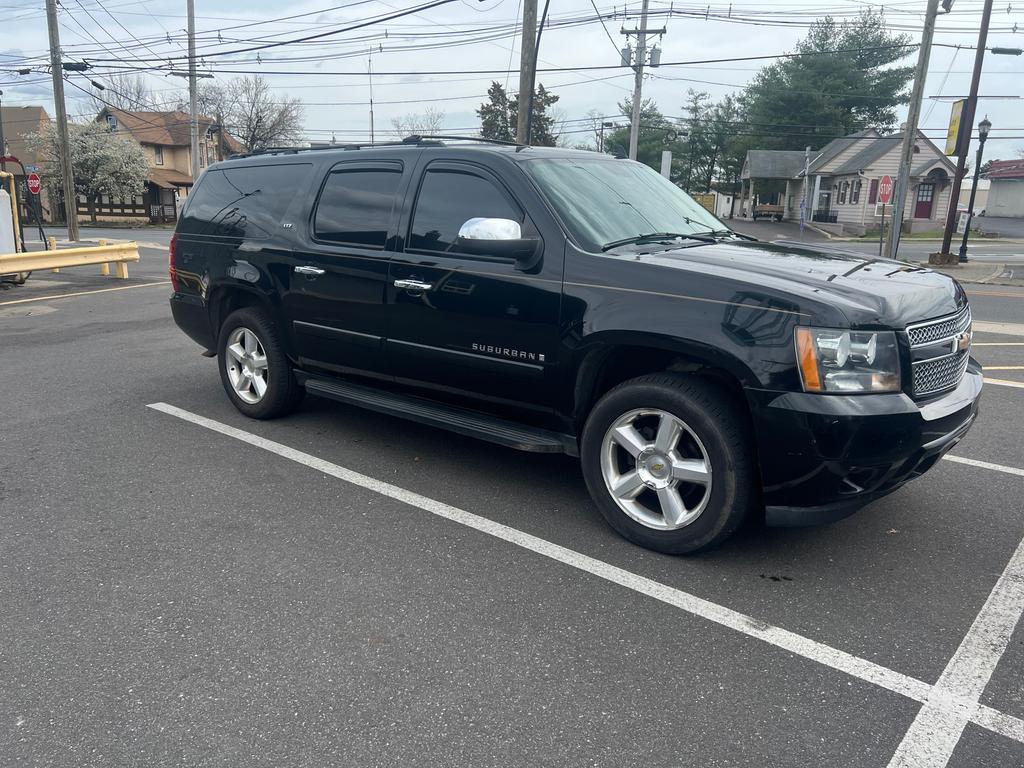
(983, 274)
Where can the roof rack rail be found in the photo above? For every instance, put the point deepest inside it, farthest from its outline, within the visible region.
(407, 141)
(418, 138)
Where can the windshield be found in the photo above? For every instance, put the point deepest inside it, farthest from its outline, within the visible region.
(602, 201)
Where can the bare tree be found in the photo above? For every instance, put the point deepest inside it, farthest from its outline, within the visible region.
(252, 112)
(124, 91)
(414, 123)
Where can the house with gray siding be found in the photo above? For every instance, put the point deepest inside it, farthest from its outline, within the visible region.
(843, 178)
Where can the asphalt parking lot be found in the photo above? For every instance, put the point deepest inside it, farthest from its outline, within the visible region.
(180, 586)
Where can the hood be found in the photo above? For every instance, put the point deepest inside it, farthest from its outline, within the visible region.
(867, 291)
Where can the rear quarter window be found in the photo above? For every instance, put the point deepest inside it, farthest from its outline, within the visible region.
(245, 202)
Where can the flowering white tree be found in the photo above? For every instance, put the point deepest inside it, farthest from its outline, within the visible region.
(102, 162)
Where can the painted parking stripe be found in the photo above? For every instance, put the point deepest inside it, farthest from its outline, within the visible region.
(984, 465)
(1007, 329)
(56, 296)
(1004, 383)
(997, 344)
(935, 732)
(1004, 367)
(891, 680)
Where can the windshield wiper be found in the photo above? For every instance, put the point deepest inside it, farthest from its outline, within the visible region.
(726, 233)
(654, 237)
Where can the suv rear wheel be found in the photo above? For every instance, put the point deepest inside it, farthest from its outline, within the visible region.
(254, 369)
(669, 463)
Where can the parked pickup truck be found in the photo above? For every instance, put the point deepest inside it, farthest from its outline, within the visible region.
(769, 212)
(562, 301)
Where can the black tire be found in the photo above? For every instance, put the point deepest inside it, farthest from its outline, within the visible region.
(721, 428)
(283, 393)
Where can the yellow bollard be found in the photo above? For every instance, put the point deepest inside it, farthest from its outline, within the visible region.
(51, 244)
(105, 266)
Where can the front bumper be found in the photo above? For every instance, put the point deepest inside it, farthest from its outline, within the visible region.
(823, 457)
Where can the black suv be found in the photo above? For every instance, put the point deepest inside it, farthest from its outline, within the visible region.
(563, 301)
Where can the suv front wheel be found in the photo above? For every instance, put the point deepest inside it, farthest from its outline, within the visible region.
(254, 368)
(668, 460)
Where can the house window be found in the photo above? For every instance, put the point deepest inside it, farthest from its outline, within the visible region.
(112, 122)
(202, 155)
(842, 192)
(855, 192)
(159, 153)
(873, 192)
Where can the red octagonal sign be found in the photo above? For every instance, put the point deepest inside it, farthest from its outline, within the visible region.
(885, 189)
(34, 184)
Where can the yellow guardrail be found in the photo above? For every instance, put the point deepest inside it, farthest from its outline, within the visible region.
(119, 255)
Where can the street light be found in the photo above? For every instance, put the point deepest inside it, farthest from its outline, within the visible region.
(983, 128)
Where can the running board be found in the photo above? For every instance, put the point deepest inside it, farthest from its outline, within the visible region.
(452, 418)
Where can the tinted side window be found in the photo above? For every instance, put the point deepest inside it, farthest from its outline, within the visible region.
(448, 199)
(355, 206)
(244, 202)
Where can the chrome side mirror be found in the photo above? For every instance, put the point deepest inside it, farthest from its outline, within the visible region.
(491, 229)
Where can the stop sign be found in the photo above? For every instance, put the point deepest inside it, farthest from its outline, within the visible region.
(885, 189)
(34, 184)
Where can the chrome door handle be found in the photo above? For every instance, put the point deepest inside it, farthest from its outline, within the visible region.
(413, 285)
(308, 270)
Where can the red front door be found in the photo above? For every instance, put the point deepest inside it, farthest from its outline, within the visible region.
(925, 197)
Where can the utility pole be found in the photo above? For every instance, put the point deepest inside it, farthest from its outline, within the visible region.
(527, 69)
(3, 141)
(910, 130)
(966, 124)
(369, 70)
(805, 204)
(638, 82)
(64, 145)
(193, 107)
(639, 59)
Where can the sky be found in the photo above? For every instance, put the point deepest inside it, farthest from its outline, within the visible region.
(332, 81)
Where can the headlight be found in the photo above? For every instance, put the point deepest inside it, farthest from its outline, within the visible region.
(848, 361)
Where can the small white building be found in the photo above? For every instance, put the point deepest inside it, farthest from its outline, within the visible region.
(843, 181)
(1006, 193)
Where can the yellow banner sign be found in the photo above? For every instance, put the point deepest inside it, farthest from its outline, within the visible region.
(953, 134)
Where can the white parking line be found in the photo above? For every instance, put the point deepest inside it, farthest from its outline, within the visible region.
(1007, 329)
(1004, 383)
(984, 465)
(935, 732)
(56, 296)
(954, 704)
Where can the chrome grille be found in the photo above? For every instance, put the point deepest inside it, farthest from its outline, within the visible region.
(937, 330)
(937, 361)
(932, 376)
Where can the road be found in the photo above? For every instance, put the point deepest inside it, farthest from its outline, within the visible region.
(185, 587)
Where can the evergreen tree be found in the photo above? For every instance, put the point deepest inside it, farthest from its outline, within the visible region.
(811, 99)
(499, 116)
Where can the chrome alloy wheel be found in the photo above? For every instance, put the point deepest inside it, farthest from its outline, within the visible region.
(656, 469)
(246, 364)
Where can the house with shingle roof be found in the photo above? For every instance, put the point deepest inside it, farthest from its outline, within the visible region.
(843, 179)
(166, 140)
(19, 123)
